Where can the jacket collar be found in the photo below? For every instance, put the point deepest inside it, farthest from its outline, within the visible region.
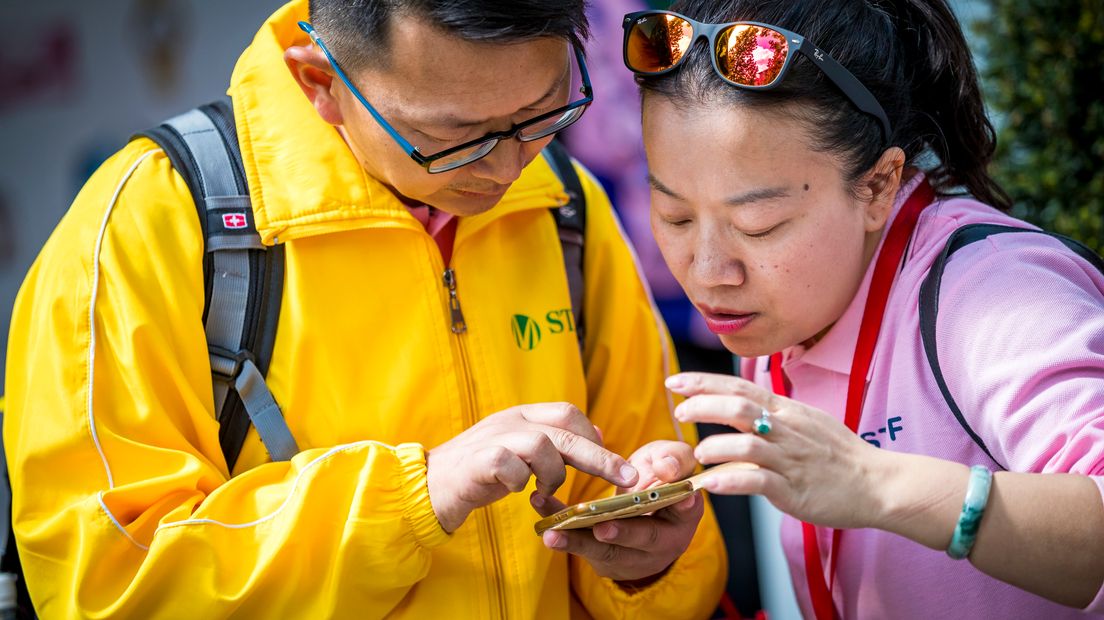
(303, 179)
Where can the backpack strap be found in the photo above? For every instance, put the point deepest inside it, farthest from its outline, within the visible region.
(571, 223)
(243, 278)
(929, 303)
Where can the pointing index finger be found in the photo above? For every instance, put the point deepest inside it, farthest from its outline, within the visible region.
(696, 383)
(587, 456)
(564, 416)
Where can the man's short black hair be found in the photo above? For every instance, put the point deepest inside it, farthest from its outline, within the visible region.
(358, 30)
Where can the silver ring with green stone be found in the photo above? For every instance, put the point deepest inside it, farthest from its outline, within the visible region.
(762, 424)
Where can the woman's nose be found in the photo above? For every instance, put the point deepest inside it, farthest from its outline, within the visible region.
(715, 264)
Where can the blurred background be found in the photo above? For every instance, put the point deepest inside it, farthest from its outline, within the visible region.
(80, 77)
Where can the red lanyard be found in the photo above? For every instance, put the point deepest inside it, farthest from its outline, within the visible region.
(889, 259)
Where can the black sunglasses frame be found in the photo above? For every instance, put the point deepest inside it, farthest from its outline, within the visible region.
(846, 81)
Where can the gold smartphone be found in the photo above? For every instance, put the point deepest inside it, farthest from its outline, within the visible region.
(644, 501)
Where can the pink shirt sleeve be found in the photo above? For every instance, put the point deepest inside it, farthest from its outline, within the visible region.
(1021, 344)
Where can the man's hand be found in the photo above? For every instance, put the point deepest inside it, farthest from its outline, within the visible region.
(496, 457)
(636, 548)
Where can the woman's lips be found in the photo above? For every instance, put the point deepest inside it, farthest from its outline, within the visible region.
(726, 322)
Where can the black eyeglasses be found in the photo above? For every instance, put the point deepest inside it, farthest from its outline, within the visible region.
(449, 159)
(745, 54)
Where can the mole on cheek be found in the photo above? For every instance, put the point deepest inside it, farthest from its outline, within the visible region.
(806, 187)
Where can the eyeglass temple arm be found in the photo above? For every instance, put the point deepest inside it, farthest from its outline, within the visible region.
(410, 149)
(587, 89)
(849, 84)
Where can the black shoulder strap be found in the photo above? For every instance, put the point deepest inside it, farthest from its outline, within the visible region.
(929, 303)
(243, 278)
(571, 222)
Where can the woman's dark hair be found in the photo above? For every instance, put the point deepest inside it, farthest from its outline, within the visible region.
(912, 56)
(359, 29)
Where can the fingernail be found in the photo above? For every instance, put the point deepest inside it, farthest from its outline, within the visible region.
(680, 415)
(675, 382)
(606, 531)
(672, 463)
(628, 474)
(689, 503)
(537, 499)
(556, 540)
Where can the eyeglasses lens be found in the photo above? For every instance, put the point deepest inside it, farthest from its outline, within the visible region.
(550, 126)
(462, 157)
(751, 55)
(658, 42)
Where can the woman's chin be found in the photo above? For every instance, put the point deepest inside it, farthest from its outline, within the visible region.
(743, 346)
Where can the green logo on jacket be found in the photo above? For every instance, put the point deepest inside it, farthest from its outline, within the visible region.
(527, 333)
(527, 330)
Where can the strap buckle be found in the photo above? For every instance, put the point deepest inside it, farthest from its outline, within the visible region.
(226, 365)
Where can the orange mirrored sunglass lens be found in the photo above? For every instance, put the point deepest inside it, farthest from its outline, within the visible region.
(751, 55)
(658, 42)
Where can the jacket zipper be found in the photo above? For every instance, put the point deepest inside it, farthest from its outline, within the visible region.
(456, 315)
(458, 326)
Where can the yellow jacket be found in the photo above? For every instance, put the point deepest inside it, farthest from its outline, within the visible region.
(123, 504)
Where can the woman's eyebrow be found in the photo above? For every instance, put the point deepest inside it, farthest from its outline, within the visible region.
(755, 195)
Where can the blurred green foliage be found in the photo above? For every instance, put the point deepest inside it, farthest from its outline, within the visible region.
(1043, 72)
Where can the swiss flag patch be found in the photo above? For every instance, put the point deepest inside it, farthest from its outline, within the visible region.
(234, 220)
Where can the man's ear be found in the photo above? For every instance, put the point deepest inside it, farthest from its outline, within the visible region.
(309, 67)
(878, 187)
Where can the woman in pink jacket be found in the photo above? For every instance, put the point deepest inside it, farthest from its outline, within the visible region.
(809, 163)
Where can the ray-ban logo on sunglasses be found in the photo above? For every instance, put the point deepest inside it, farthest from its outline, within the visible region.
(819, 55)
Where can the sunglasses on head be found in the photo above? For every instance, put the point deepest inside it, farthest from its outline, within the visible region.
(745, 54)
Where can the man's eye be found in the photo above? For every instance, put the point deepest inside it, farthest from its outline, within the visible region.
(763, 233)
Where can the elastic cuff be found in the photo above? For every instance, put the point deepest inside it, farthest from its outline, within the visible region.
(416, 507)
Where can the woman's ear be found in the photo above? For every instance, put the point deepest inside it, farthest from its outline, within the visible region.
(878, 187)
(311, 70)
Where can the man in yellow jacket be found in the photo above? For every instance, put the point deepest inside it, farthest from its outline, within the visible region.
(426, 454)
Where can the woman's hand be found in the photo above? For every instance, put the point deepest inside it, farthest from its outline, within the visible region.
(810, 465)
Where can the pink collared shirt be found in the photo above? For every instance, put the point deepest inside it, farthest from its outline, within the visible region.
(440, 225)
(1021, 345)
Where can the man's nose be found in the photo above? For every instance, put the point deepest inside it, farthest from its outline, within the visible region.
(503, 165)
